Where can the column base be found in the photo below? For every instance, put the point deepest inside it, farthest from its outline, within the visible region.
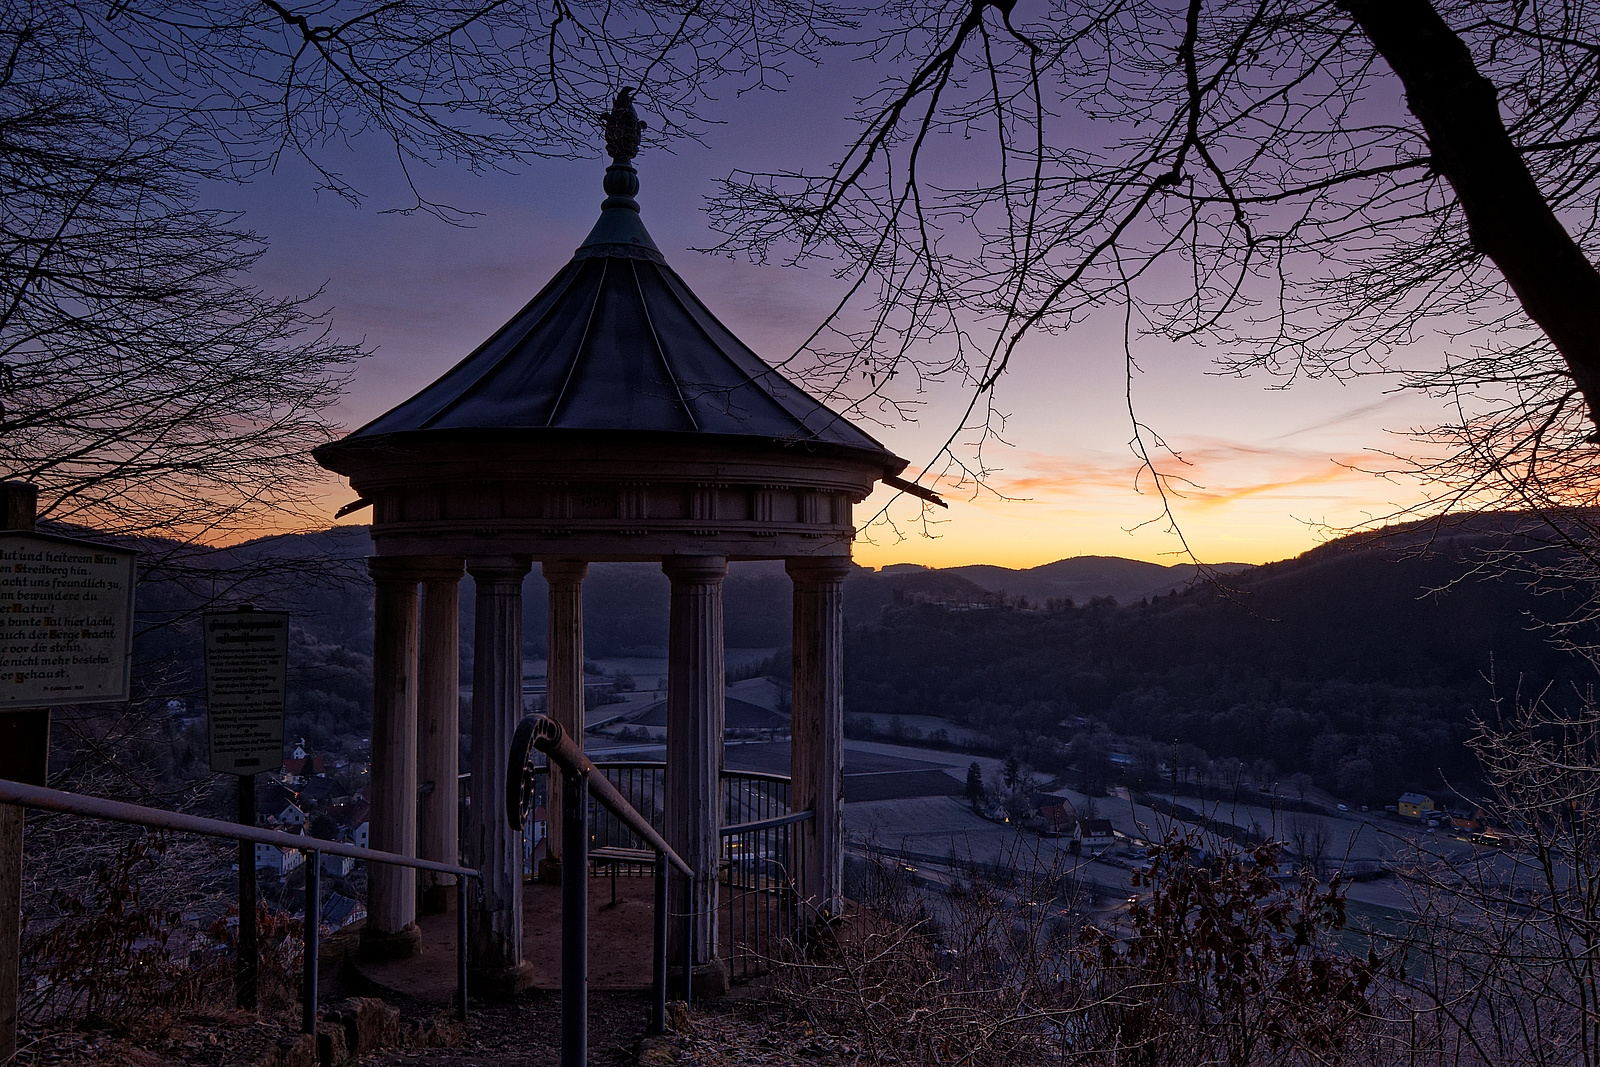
(500, 983)
(710, 980)
(401, 944)
(549, 872)
(437, 900)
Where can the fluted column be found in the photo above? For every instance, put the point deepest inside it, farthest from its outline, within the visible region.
(816, 761)
(439, 728)
(696, 712)
(391, 930)
(494, 936)
(563, 677)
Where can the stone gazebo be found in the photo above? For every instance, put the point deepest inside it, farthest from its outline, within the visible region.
(613, 418)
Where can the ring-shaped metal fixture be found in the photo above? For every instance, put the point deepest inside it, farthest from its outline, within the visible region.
(519, 774)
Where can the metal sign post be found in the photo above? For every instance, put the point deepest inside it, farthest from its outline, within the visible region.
(66, 637)
(574, 920)
(247, 668)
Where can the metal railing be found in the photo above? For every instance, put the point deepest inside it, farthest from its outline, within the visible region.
(580, 780)
(762, 857)
(765, 864)
(40, 798)
(642, 784)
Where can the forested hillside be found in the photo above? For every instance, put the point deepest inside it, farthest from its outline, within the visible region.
(1362, 662)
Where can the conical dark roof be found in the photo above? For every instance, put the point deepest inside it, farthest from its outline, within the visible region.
(618, 342)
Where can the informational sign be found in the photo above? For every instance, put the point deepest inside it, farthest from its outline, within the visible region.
(66, 620)
(247, 664)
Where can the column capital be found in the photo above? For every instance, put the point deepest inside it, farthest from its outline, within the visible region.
(508, 569)
(564, 570)
(695, 568)
(388, 569)
(436, 568)
(818, 568)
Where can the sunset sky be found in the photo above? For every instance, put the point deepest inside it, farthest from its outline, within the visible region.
(1268, 472)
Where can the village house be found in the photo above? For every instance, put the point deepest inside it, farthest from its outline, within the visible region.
(355, 820)
(300, 769)
(337, 866)
(1054, 816)
(1414, 805)
(272, 795)
(321, 791)
(1093, 835)
(339, 911)
(275, 860)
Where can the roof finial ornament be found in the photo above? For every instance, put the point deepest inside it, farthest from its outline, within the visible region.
(623, 128)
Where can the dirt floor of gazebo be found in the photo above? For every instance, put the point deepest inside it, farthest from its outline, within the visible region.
(620, 941)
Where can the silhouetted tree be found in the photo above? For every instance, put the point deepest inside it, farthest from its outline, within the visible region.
(1012, 770)
(974, 790)
(1329, 180)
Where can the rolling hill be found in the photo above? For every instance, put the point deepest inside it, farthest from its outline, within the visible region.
(1363, 662)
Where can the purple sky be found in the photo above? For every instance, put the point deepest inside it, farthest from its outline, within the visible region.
(1271, 469)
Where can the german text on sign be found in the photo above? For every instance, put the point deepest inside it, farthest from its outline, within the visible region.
(66, 620)
(247, 660)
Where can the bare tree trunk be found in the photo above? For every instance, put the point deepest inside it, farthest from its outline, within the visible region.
(1509, 218)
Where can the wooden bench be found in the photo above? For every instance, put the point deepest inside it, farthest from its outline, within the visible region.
(616, 856)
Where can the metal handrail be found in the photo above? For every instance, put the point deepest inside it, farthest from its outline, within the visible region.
(546, 735)
(755, 914)
(758, 776)
(768, 824)
(579, 777)
(57, 800)
(660, 765)
(35, 796)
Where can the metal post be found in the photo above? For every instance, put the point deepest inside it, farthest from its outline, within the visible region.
(688, 949)
(658, 970)
(249, 962)
(574, 920)
(313, 931)
(461, 947)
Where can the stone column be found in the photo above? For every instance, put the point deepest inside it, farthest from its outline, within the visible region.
(494, 941)
(816, 762)
(391, 930)
(564, 678)
(439, 728)
(696, 712)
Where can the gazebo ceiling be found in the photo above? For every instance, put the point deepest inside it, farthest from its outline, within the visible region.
(614, 373)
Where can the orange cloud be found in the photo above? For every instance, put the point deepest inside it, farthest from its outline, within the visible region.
(1232, 501)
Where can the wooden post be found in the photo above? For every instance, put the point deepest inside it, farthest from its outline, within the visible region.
(439, 729)
(391, 931)
(24, 757)
(817, 726)
(564, 678)
(696, 714)
(493, 847)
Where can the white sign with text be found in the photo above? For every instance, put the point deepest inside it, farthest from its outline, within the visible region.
(66, 620)
(247, 664)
